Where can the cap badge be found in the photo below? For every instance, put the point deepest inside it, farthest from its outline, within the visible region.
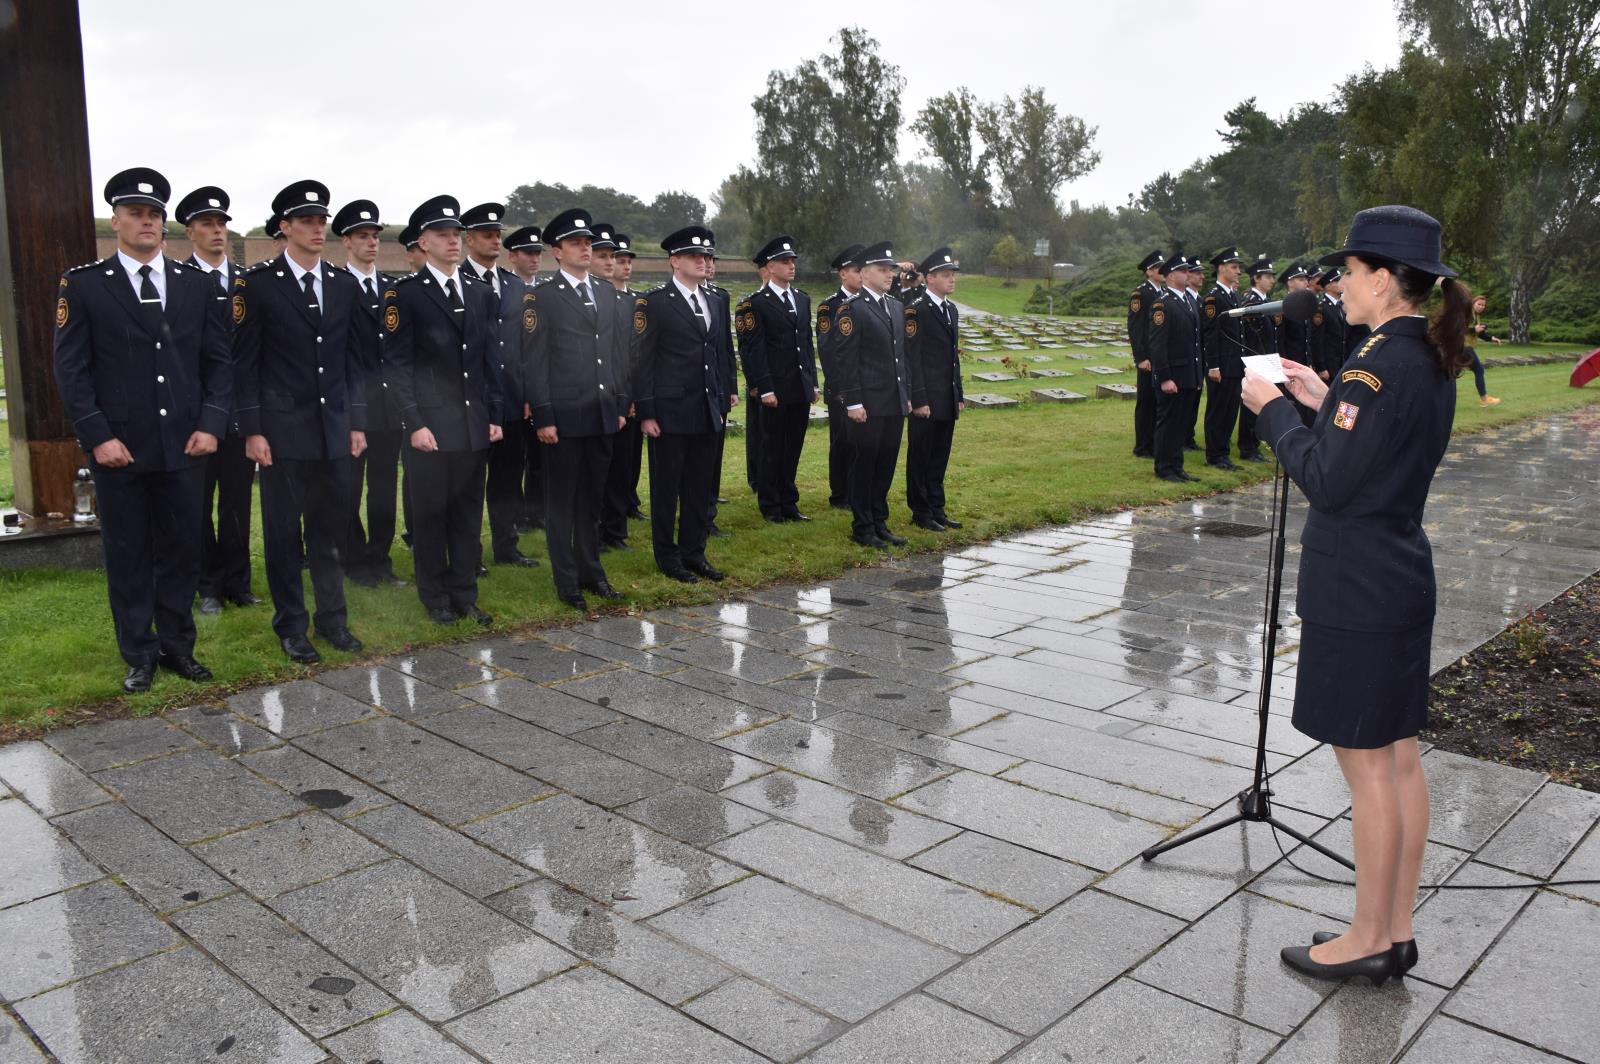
(366, 214)
(493, 217)
(214, 203)
(311, 195)
(786, 247)
(579, 222)
(146, 187)
(448, 212)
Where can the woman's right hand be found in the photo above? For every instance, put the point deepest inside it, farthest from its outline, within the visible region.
(1305, 384)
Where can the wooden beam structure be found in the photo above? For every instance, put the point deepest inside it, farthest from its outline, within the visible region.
(46, 225)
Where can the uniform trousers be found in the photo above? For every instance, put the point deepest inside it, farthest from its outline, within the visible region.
(1172, 427)
(225, 539)
(150, 533)
(311, 494)
(783, 436)
(574, 479)
(377, 469)
(1144, 414)
(875, 446)
(927, 456)
(622, 477)
(503, 488)
(1222, 413)
(682, 472)
(752, 443)
(838, 454)
(447, 542)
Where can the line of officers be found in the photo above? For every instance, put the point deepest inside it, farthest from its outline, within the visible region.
(536, 395)
(1184, 341)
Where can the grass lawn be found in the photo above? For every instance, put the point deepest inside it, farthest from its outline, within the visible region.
(990, 294)
(1036, 464)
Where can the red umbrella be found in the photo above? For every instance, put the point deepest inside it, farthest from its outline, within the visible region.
(1587, 369)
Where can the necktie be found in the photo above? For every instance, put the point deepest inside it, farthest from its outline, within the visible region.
(787, 304)
(451, 295)
(583, 294)
(372, 293)
(695, 303)
(147, 287)
(310, 281)
(221, 277)
(493, 277)
(949, 315)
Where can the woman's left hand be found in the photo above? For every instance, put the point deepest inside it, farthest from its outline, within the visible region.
(1258, 392)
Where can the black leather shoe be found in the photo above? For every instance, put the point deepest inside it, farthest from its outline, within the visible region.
(185, 666)
(139, 678)
(210, 604)
(1377, 968)
(795, 515)
(948, 522)
(1226, 463)
(706, 570)
(300, 650)
(637, 514)
(442, 615)
(1144, 454)
(774, 519)
(576, 600)
(928, 523)
(483, 570)
(723, 502)
(1254, 458)
(869, 541)
(360, 578)
(616, 544)
(477, 616)
(341, 639)
(1192, 447)
(518, 559)
(713, 530)
(1405, 953)
(1189, 477)
(604, 589)
(244, 598)
(890, 538)
(681, 574)
(390, 580)
(1175, 478)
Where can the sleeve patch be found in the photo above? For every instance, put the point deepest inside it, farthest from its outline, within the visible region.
(846, 326)
(640, 321)
(1158, 316)
(62, 313)
(530, 319)
(238, 310)
(824, 324)
(911, 328)
(1134, 305)
(391, 317)
(1211, 308)
(1345, 416)
(1361, 376)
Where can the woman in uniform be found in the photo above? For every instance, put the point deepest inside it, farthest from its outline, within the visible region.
(1363, 450)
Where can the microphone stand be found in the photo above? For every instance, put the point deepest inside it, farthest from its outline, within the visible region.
(1255, 802)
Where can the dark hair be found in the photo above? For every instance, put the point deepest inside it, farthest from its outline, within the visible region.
(1447, 331)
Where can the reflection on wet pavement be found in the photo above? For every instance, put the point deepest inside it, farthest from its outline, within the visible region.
(899, 811)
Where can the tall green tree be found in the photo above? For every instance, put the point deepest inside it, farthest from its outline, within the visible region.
(827, 144)
(1035, 149)
(948, 125)
(1500, 137)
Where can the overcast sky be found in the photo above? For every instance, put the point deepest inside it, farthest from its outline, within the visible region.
(402, 100)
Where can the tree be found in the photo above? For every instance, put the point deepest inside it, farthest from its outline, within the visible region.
(671, 211)
(948, 125)
(827, 141)
(1009, 254)
(1503, 145)
(1035, 150)
(730, 218)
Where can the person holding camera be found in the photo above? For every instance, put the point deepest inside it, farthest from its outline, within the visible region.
(1366, 594)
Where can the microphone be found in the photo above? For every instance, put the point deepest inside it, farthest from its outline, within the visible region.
(1296, 306)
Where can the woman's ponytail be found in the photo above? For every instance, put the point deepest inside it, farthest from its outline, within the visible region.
(1448, 329)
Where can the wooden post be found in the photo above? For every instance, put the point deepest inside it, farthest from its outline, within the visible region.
(46, 225)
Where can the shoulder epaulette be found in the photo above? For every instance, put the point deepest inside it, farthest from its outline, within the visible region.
(407, 279)
(264, 264)
(1372, 341)
(88, 265)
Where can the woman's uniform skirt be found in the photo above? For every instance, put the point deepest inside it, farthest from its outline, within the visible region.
(1362, 690)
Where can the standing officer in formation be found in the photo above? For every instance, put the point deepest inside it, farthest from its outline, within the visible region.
(627, 453)
(302, 406)
(526, 250)
(847, 265)
(780, 365)
(730, 377)
(933, 354)
(1294, 336)
(1335, 328)
(1194, 277)
(1222, 349)
(141, 361)
(275, 231)
(366, 551)
(752, 417)
(230, 476)
(1172, 341)
(481, 230)
(870, 332)
(1260, 336)
(577, 373)
(442, 356)
(1144, 407)
(678, 377)
(415, 256)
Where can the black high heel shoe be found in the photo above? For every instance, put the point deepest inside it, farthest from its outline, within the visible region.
(1377, 968)
(1405, 953)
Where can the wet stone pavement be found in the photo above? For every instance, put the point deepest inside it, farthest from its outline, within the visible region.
(894, 817)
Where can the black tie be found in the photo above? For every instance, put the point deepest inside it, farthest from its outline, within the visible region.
(787, 305)
(147, 287)
(372, 293)
(950, 315)
(309, 280)
(583, 294)
(222, 282)
(695, 303)
(450, 294)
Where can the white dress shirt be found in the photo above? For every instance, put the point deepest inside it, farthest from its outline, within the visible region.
(158, 273)
(300, 275)
(454, 275)
(363, 278)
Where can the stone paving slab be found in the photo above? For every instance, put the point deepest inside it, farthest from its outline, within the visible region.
(894, 816)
